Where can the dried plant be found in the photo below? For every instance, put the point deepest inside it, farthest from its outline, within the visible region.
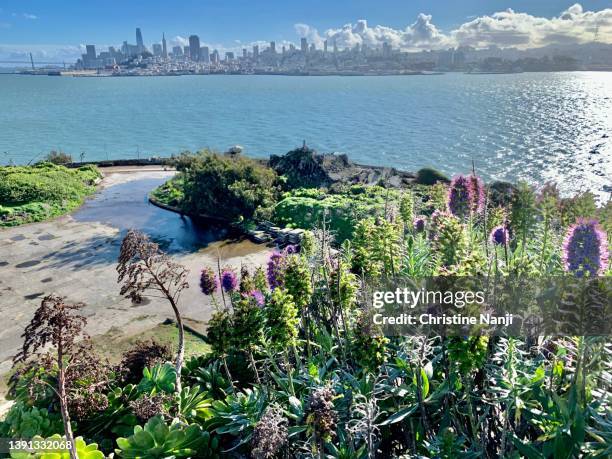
(59, 325)
(145, 270)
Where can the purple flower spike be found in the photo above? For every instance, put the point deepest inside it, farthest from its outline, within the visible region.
(276, 269)
(460, 196)
(258, 297)
(585, 248)
(290, 249)
(499, 235)
(419, 224)
(478, 193)
(229, 280)
(209, 282)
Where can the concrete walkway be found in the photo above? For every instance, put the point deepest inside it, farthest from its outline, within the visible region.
(77, 258)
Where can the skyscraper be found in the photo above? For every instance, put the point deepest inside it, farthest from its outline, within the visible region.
(157, 49)
(164, 47)
(244, 53)
(255, 52)
(205, 54)
(177, 51)
(273, 47)
(304, 45)
(91, 52)
(194, 48)
(139, 42)
(325, 46)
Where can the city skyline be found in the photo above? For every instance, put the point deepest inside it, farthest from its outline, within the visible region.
(572, 23)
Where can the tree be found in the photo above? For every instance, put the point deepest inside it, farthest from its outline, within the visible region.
(145, 270)
(59, 325)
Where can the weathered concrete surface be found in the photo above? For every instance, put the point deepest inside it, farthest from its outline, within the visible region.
(76, 257)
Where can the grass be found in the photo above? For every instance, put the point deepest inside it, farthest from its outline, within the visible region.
(43, 191)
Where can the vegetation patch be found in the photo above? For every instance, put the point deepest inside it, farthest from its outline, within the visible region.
(43, 191)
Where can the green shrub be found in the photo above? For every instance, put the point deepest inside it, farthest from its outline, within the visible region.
(35, 193)
(429, 176)
(23, 421)
(232, 188)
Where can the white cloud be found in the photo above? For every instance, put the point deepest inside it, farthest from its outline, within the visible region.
(504, 29)
(30, 16)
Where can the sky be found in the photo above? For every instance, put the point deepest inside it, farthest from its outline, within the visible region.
(56, 30)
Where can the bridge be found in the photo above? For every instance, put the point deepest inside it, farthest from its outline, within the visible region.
(30, 63)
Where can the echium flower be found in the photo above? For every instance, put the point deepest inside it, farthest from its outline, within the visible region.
(477, 193)
(270, 434)
(229, 279)
(321, 414)
(499, 235)
(585, 248)
(276, 269)
(209, 282)
(259, 298)
(419, 224)
(460, 196)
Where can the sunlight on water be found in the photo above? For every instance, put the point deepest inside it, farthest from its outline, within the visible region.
(533, 126)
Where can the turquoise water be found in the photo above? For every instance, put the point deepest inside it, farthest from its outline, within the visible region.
(535, 126)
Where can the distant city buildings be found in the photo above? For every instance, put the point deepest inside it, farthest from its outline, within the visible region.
(194, 48)
(360, 59)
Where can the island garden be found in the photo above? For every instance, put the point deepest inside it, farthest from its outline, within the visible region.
(295, 368)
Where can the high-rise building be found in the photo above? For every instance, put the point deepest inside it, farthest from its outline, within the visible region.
(157, 49)
(244, 53)
(214, 57)
(177, 51)
(194, 48)
(255, 52)
(335, 47)
(204, 54)
(313, 47)
(229, 56)
(325, 46)
(90, 52)
(273, 47)
(186, 51)
(139, 43)
(164, 47)
(304, 45)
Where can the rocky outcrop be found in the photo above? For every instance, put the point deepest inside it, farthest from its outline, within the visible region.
(304, 167)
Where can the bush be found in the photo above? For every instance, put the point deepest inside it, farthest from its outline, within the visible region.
(34, 193)
(429, 176)
(58, 157)
(229, 187)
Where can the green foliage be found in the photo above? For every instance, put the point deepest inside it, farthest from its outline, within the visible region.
(247, 331)
(84, 451)
(281, 319)
(23, 421)
(306, 208)
(158, 440)
(429, 176)
(227, 187)
(58, 157)
(219, 334)
(160, 378)
(35, 193)
(298, 280)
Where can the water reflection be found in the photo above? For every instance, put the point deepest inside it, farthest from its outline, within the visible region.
(124, 204)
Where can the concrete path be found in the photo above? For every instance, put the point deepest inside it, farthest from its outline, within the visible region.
(75, 256)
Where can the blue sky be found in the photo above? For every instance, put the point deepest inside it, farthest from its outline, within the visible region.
(225, 23)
